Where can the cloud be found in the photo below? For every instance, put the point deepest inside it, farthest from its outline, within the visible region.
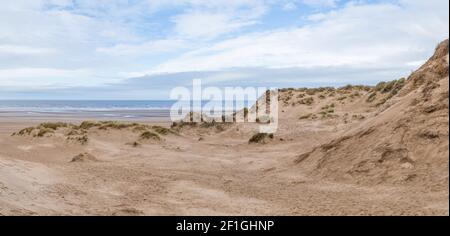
(342, 37)
(321, 3)
(24, 50)
(206, 20)
(208, 25)
(147, 48)
(36, 78)
(291, 5)
(79, 43)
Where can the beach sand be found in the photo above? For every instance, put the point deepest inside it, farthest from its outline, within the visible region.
(184, 176)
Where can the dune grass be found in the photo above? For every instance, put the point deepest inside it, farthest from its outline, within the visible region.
(260, 138)
(149, 135)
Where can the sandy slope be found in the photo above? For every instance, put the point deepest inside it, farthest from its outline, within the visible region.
(336, 152)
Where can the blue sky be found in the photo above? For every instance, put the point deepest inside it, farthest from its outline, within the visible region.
(140, 49)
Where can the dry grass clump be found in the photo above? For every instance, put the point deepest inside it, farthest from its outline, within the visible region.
(35, 131)
(358, 117)
(84, 157)
(219, 127)
(372, 96)
(283, 90)
(327, 107)
(53, 126)
(355, 95)
(140, 128)
(207, 125)
(182, 124)
(88, 125)
(301, 95)
(260, 138)
(342, 98)
(26, 131)
(308, 116)
(162, 130)
(42, 129)
(327, 114)
(75, 132)
(115, 125)
(327, 111)
(390, 87)
(150, 135)
(83, 139)
(350, 87)
(307, 101)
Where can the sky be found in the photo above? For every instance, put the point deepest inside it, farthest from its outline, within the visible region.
(140, 49)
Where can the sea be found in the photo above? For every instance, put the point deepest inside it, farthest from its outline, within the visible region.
(98, 109)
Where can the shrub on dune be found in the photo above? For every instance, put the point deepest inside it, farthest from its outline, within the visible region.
(54, 125)
(260, 138)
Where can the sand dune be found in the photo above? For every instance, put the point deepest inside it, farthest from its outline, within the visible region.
(356, 150)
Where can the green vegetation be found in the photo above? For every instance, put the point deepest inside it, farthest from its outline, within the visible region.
(104, 125)
(393, 86)
(53, 126)
(372, 96)
(390, 88)
(88, 124)
(327, 110)
(42, 129)
(355, 87)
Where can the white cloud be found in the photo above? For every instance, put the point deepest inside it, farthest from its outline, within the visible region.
(208, 25)
(321, 3)
(24, 50)
(147, 48)
(209, 19)
(364, 35)
(44, 77)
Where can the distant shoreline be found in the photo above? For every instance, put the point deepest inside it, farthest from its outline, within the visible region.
(152, 115)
